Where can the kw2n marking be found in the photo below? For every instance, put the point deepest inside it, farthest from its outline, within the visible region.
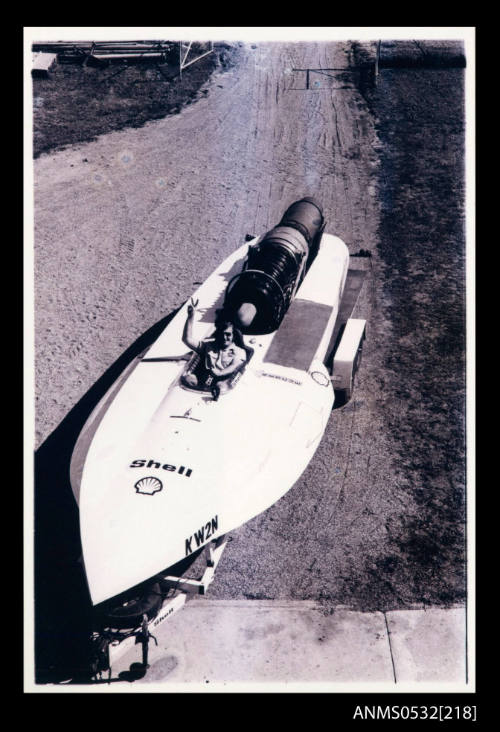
(202, 535)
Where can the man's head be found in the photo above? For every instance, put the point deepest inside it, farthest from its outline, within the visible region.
(225, 333)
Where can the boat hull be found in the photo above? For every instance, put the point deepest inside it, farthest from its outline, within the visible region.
(160, 470)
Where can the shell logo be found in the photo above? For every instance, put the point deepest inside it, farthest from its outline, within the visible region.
(148, 486)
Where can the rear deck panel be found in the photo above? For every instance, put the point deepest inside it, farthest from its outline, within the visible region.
(300, 334)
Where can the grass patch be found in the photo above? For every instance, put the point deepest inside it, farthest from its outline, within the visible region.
(78, 102)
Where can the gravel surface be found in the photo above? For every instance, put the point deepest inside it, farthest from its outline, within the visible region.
(126, 226)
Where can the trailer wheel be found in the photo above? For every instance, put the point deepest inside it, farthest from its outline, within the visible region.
(131, 612)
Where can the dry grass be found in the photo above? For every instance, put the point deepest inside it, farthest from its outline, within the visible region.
(79, 102)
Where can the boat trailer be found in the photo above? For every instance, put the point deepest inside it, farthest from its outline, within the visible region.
(110, 644)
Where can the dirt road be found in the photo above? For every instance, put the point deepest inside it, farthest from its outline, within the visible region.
(127, 225)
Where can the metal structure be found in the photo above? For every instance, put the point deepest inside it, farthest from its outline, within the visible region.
(322, 72)
(184, 51)
(125, 51)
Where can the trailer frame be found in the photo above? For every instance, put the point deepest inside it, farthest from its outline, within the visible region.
(111, 644)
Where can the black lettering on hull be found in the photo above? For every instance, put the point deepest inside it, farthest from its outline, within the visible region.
(201, 536)
(181, 470)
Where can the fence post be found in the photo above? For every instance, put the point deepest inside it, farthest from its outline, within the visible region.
(377, 57)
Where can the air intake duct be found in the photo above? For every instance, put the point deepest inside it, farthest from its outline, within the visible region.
(259, 296)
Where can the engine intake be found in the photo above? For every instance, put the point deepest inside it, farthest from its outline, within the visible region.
(259, 296)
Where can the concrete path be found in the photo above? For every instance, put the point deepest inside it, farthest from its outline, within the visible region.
(217, 645)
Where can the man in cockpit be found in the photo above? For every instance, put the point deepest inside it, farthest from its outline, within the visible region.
(220, 356)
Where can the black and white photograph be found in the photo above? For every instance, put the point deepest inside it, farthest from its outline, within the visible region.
(249, 348)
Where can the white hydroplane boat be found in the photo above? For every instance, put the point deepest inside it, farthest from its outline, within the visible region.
(162, 467)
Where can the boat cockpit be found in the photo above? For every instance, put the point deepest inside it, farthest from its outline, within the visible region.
(197, 377)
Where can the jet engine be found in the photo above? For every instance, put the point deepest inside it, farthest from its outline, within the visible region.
(259, 296)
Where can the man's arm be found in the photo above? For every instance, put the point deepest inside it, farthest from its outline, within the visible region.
(187, 334)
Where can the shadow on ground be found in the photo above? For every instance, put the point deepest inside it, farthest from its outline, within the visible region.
(62, 603)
